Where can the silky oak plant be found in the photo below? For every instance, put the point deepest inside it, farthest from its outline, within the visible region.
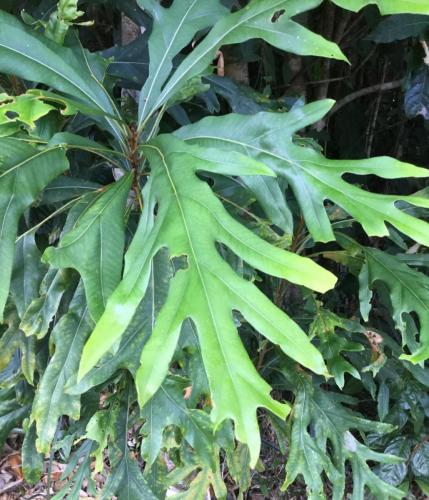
(125, 264)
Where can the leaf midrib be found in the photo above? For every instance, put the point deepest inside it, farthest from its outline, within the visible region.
(218, 41)
(54, 71)
(403, 283)
(64, 366)
(29, 159)
(71, 82)
(97, 217)
(160, 66)
(176, 195)
(291, 161)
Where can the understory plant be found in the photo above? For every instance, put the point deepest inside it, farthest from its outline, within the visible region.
(173, 269)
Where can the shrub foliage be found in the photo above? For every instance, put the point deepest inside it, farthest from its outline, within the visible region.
(171, 266)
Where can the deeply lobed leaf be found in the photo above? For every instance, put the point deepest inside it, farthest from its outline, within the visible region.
(266, 19)
(268, 138)
(190, 221)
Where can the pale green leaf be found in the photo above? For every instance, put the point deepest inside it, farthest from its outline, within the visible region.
(268, 138)
(24, 109)
(62, 19)
(190, 220)
(387, 6)
(100, 428)
(127, 355)
(68, 106)
(200, 486)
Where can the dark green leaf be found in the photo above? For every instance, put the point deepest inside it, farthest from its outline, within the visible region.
(399, 27)
(24, 172)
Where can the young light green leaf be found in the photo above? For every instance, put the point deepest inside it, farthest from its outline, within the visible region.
(68, 106)
(200, 484)
(95, 244)
(24, 172)
(28, 54)
(189, 221)
(61, 20)
(100, 428)
(266, 19)
(387, 6)
(312, 177)
(127, 356)
(24, 109)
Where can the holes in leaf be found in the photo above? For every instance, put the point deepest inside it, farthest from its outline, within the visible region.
(155, 209)
(413, 326)
(411, 209)
(11, 115)
(237, 263)
(277, 15)
(7, 100)
(179, 263)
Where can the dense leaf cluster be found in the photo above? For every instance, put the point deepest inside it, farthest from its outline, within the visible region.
(177, 259)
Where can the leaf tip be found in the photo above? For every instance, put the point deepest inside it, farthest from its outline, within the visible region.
(417, 358)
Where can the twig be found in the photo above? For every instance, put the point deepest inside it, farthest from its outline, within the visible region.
(426, 50)
(11, 486)
(379, 87)
(329, 22)
(371, 128)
